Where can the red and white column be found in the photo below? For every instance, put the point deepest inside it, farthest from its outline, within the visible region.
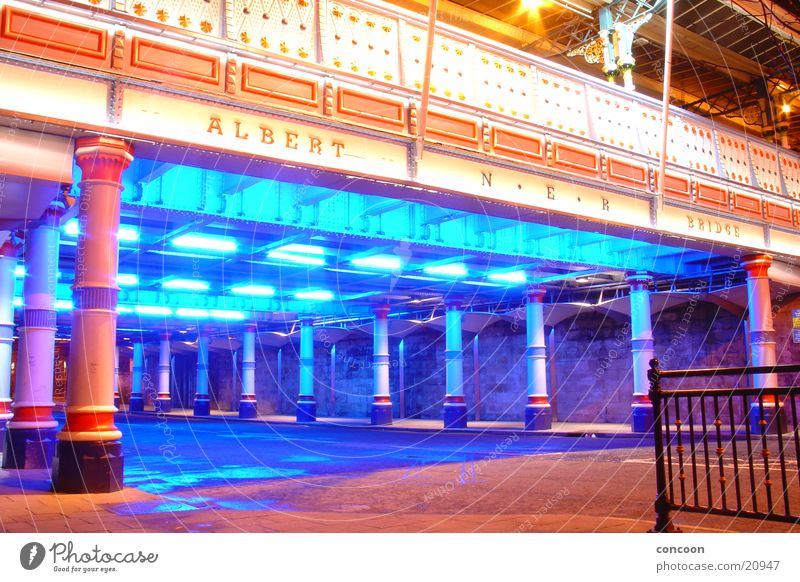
(163, 401)
(31, 437)
(538, 415)
(761, 338)
(136, 401)
(642, 351)
(455, 407)
(381, 412)
(202, 403)
(89, 452)
(8, 263)
(116, 377)
(306, 401)
(248, 407)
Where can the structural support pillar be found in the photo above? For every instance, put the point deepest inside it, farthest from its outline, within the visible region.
(306, 401)
(89, 452)
(538, 415)
(381, 412)
(202, 403)
(8, 263)
(116, 377)
(455, 407)
(642, 350)
(163, 401)
(136, 401)
(762, 341)
(31, 438)
(248, 407)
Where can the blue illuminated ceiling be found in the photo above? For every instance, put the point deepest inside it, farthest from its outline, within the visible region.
(200, 245)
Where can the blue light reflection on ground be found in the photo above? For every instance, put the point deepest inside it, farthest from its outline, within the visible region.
(210, 462)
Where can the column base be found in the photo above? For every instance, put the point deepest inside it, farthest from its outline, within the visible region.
(773, 419)
(136, 404)
(455, 415)
(306, 411)
(29, 448)
(642, 419)
(248, 409)
(381, 413)
(538, 417)
(87, 467)
(202, 407)
(163, 404)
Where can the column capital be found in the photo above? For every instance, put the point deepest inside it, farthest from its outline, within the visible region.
(52, 215)
(381, 311)
(102, 158)
(640, 281)
(251, 327)
(453, 304)
(757, 265)
(165, 336)
(535, 293)
(9, 248)
(306, 319)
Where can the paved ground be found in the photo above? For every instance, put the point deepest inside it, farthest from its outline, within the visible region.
(224, 475)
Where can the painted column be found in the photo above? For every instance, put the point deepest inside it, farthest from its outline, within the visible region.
(89, 452)
(538, 415)
(202, 404)
(455, 407)
(642, 350)
(306, 402)
(136, 402)
(116, 377)
(163, 401)
(8, 262)
(761, 336)
(381, 396)
(31, 437)
(248, 407)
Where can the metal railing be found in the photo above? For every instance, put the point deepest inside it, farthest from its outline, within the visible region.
(726, 451)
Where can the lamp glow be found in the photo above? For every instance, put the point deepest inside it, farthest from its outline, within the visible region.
(508, 277)
(128, 234)
(152, 310)
(206, 242)
(226, 314)
(449, 270)
(19, 271)
(127, 279)
(186, 284)
(17, 302)
(72, 227)
(314, 295)
(300, 259)
(259, 290)
(191, 312)
(387, 262)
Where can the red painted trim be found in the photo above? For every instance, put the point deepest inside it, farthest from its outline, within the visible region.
(306, 398)
(32, 413)
(89, 422)
(537, 400)
(454, 400)
(248, 397)
(285, 88)
(382, 399)
(641, 399)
